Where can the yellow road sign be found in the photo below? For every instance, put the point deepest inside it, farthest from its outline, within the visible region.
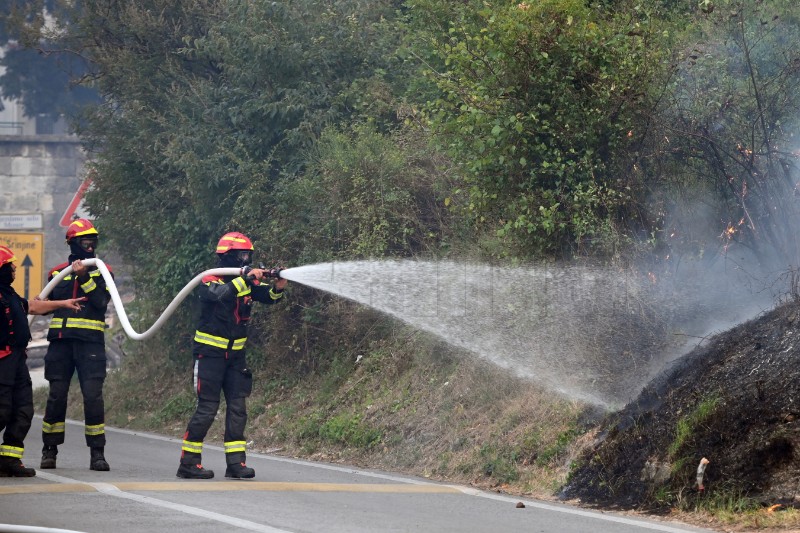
(28, 248)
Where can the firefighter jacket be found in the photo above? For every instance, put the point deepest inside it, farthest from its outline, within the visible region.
(14, 331)
(226, 303)
(89, 323)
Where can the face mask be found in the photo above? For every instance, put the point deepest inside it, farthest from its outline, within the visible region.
(6, 274)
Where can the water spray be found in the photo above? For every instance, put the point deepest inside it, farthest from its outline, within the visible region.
(119, 308)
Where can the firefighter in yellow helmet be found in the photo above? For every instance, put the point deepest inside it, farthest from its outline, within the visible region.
(219, 356)
(16, 390)
(77, 343)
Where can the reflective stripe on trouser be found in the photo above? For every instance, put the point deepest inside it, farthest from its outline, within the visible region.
(62, 359)
(235, 422)
(191, 451)
(192, 447)
(235, 446)
(213, 377)
(55, 427)
(11, 451)
(196, 432)
(95, 430)
(235, 452)
(16, 400)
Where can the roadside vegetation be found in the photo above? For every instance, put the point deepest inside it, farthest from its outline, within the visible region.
(644, 135)
(398, 399)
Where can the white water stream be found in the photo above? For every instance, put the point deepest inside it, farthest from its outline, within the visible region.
(593, 334)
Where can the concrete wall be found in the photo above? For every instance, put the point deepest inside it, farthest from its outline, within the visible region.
(40, 174)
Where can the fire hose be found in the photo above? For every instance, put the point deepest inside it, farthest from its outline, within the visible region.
(115, 297)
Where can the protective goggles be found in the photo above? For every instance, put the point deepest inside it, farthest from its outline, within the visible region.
(87, 243)
(244, 256)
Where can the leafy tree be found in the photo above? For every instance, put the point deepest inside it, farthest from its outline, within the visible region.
(207, 103)
(538, 99)
(363, 195)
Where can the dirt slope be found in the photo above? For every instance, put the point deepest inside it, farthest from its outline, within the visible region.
(733, 400)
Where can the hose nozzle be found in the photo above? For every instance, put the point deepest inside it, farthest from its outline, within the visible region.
(273, 273)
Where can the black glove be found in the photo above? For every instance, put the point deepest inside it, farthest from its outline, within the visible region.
(246, 273)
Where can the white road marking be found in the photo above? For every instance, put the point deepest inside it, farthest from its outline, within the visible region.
(111, 490)
(566, 509)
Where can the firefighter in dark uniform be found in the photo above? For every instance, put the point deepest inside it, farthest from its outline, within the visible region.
(77, 342)
(219, 356)
(16, 390)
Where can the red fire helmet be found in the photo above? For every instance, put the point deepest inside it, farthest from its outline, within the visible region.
(6, 256)
(233, 241)
(80, 227)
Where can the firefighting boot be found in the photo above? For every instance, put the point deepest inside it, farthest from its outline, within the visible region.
(239, 471)
(13, 467)
(48, 457)
(97, 461)
(194, 472)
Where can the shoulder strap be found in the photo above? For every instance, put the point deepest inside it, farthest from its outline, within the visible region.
(5, 350)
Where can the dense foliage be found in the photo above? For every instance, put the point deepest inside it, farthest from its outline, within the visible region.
(337, 129)
(539, 100)
(207, 105)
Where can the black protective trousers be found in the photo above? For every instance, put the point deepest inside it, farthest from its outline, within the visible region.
(228, 374)
(16, 398)
(63, 358)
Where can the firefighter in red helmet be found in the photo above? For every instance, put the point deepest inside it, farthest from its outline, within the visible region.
(219, 356)
(16, 390)
(77, 343)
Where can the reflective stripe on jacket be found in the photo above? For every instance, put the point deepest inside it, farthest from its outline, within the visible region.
(226, 304)
(89, 323)
(219, 342)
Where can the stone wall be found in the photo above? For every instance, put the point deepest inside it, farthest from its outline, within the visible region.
(40, 174)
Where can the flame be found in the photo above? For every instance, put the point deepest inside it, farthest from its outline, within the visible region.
(744, 151)
(728, 232)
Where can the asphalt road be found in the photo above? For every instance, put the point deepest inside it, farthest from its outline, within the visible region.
(142, 494)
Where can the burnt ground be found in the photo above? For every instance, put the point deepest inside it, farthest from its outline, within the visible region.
(734, 401)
